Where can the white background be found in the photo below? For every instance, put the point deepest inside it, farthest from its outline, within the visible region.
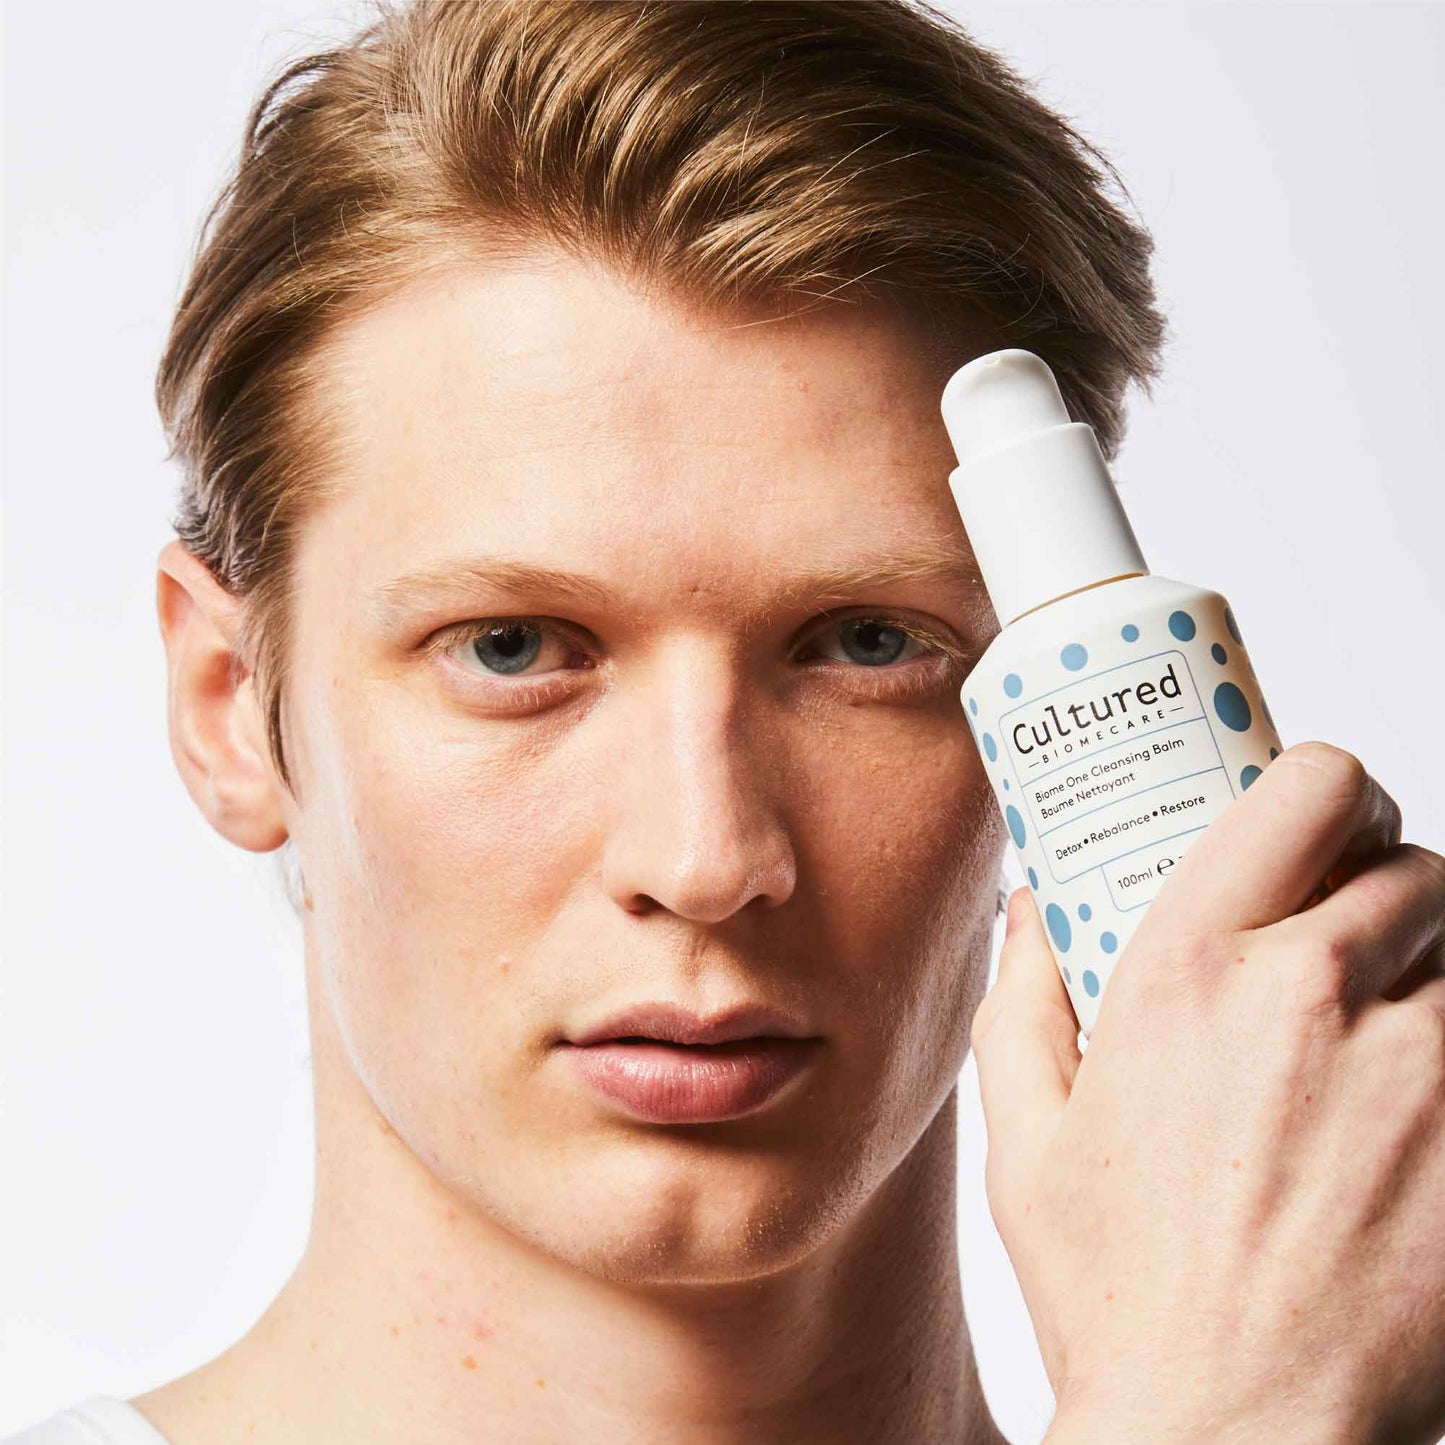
(155, 1183)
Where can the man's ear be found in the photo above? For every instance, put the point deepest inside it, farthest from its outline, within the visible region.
(216, 728)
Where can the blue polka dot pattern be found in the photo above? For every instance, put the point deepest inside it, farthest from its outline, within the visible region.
(1129, 632)
(973, 706)
(1059, 929)
(1218, 653)
(1231, 707)
(1181, 624)
(1033, 879)
(1005, 785)
(1085, 912)
(1091, 983)
(1074, 656)
(1248, 775)
(1108, 942)
(1233, 627)
(990, 747)
(1015, 825)
(1263, 704)
(1067, 979)
(1013, 684)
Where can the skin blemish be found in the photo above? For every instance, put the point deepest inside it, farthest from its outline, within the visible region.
(1106, 1161)
(396, 1329)
(1110, 1295)
(469, 1361)
(541, 1383)
(1234, 1163)
(504, 962)
(451, 1216)
(441, 1319)
(482, 1330)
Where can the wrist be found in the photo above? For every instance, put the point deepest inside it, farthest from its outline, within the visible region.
(1166, 1420)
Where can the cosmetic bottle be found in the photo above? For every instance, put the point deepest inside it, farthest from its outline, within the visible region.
(1116, 712)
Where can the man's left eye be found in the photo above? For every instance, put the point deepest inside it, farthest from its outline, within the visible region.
(871, 642)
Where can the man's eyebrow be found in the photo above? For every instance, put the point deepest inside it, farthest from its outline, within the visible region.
(945, 562)
(463, 577)
(458, 579)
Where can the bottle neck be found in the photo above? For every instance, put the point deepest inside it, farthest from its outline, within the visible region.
(1044, 519)
(1074, 592)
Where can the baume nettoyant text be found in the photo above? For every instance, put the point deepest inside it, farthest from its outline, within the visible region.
(1116, 712)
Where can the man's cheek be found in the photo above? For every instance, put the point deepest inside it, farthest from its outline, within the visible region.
(905, 844)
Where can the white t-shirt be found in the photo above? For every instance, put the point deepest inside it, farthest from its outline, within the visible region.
(100, 1420)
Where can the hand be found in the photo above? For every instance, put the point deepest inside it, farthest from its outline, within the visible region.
(1227, 1217)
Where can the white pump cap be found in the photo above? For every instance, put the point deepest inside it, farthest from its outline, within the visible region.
(1034, 491)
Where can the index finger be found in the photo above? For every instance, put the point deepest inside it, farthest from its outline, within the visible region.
(1264, 857)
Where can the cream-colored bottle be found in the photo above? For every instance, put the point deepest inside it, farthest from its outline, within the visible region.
(1116, 712)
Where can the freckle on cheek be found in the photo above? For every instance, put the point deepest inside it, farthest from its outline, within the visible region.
(469, 1362)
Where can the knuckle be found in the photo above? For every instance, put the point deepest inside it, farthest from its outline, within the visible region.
(1169, 973)
(1319, 975)
(1430, 867)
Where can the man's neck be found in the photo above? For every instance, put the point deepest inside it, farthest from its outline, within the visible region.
(412, 1316)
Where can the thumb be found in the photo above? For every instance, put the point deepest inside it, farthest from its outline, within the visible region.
(1025, 1042)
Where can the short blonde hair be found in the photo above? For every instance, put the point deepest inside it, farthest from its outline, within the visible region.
(796, 151)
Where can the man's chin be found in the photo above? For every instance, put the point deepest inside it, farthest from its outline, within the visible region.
(719, 1221)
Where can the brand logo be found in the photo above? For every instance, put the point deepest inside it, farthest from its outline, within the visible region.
(1053, 723)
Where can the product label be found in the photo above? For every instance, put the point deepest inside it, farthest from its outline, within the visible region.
(1116, 768)
(1114, 727)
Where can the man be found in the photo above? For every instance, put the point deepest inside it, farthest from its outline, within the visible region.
(566, 573)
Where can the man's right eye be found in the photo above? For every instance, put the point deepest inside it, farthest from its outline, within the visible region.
(509, 647)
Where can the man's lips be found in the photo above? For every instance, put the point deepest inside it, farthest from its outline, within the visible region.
(670, 1083)
(674, 1023)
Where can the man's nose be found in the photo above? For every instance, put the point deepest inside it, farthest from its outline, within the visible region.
(696, 824)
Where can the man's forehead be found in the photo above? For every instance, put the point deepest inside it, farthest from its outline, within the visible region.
(566, 348)
(484, 459)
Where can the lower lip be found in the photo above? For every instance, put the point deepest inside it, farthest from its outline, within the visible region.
(691, 1084)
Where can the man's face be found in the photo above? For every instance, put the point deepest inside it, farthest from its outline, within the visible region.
(680, 774)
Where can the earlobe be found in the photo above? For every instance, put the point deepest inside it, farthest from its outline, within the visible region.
(213, 714)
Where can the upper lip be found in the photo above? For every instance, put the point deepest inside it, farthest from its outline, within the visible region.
(675, 1024)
